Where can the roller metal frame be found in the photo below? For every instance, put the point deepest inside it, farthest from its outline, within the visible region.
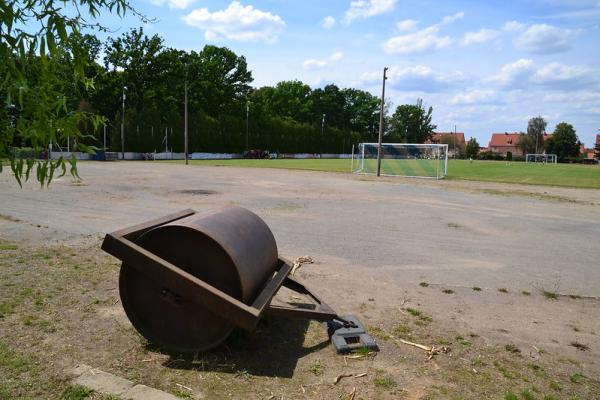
(121, 244)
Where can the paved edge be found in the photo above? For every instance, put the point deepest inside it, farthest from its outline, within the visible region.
(109, 384)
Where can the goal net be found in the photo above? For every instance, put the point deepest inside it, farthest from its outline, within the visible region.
(402, 159)
(541, 158)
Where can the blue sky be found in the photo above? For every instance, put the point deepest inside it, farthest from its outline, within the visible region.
(483, 66)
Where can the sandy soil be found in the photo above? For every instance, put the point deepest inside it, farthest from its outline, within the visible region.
(377, 244)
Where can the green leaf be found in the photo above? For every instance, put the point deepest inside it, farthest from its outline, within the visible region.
(30, 163)
(42, 172)
(14, 165)
(73, 162)
(60, 28)
(42, 47)
(51, 173)
(61, 163)
(51, 42)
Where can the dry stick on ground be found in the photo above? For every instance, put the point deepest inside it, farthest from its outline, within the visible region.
(430, 350)
(299, 261)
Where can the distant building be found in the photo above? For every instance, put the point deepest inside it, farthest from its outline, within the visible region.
(502, 143)
(452, 139)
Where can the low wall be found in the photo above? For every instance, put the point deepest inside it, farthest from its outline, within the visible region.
(193, 156)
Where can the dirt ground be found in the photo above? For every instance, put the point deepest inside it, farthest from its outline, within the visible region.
(505, 276)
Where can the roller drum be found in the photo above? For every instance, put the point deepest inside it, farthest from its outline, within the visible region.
(232, 249)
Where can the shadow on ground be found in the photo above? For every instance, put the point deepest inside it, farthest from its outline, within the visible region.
(272, 350)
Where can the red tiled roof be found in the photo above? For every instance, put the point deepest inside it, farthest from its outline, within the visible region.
(509, 139)
(504, 139)
(459, 138)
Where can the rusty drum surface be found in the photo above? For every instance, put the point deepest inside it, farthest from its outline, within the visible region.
(232, 250)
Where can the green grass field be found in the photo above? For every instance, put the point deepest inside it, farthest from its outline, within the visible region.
(566, 175)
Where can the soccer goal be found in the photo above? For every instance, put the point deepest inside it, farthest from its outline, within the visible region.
(541, 158)
(402, 159)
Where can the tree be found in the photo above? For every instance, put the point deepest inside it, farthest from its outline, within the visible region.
(536, 127)
(472, 148)
(564, 142)
(40, 30)
(526, 144)
(412, 123)
(597, 148)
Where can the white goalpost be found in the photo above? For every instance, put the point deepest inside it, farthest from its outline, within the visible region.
(402, 159)
(541, 158)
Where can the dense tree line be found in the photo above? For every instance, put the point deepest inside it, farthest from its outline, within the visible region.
(225, 113)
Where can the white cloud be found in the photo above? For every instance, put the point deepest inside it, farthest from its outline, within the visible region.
(407, 25)
(418, 42)
(179, 4)
(512, 72)
(524, 74)
(566, 76)
(328, 22)
(367, 8)
(423, 40)
(236, 22)
(513, 26)
(419, 78)
(338, 55)
(313, 63)
(448, 19)
(545, 39)
(473, 97)
(479, 37)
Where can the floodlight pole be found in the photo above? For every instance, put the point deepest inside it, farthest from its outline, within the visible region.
(104, 141)
(123, 126)
(186, 122)
(381, 124)
(247, 120)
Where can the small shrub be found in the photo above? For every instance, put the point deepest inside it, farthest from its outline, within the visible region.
(316, 367)
(424, 284)
(576, 377)
(477, 288)
(510, 396)
(527, 395)
(413, 312)
(512, 348)
(448, 291)
(503, 290)
(550, 295)
(384, 381)
(555, 386)
(76, 393)
(526, 292)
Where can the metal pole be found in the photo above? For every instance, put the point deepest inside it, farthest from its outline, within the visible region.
(322, 129)
(166, 141)
(104, 141)
(123, 125)
(247, 119)
(381, 124)
(186, 124)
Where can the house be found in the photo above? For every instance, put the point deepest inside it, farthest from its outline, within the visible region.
(502, 143)
(452, 139)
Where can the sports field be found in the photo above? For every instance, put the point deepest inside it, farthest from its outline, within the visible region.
(567, 175)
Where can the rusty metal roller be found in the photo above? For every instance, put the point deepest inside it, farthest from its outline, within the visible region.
(232, 250)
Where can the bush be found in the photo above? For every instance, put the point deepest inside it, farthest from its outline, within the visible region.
(509, 156)
(489, 155)
(27, 152)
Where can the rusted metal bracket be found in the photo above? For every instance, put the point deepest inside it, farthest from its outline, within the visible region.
(121, 244)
